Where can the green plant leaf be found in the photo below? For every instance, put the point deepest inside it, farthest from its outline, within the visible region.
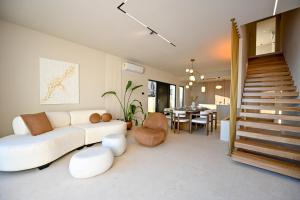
(135, 100)
(132, 108)
(142, 109)
(129, 83)
(109, 93)
(136, 87)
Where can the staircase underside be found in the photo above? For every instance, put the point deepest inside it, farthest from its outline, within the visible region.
(268, 136)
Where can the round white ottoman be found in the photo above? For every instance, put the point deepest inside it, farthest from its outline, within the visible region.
(91, 162)
(116, 142)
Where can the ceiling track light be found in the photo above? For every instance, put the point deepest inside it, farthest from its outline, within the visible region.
(152, 32)
(275, 7)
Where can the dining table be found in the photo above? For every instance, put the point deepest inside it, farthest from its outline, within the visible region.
(190, 112)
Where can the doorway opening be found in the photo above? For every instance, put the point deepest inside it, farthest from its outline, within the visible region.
(160, 96)
(266, 36)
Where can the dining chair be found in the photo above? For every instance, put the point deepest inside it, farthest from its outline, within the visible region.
(179, 116)
(168, 112)
(209, 115)
(201, 118)
(215, 117)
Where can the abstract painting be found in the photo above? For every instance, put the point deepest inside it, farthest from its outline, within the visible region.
(59, 82)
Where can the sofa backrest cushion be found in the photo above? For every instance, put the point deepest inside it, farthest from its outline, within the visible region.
(19, 126)
(95, 118)
(37, 123)
(83, 116)
(59, 119)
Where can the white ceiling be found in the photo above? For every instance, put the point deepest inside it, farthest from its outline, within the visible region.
(199, 28)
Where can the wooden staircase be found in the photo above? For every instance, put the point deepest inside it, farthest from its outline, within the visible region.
(269, 123)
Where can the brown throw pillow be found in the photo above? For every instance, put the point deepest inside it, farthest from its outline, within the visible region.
(106, 117)
(37, 123)
(95, 118)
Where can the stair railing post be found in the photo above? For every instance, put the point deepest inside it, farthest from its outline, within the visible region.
(233, 84)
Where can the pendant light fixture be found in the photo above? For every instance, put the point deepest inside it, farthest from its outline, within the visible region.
(218, 87)
(191, 74)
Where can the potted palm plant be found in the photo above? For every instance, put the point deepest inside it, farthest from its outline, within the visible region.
(130, 107)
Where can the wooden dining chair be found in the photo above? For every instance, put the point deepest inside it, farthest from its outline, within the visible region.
(215, 117)
(168, 112)
(209, 116)
(201, 118)
(179, 116)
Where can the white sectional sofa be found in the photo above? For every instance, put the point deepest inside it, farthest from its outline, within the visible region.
(72, 130)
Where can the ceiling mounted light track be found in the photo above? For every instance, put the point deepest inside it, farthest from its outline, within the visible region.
(152, 32)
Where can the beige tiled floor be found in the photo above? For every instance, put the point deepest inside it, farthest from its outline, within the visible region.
(186, 166)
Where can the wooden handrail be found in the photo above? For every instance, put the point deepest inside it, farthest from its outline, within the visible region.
(234, 81)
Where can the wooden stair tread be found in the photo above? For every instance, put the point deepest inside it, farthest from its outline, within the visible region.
(272, 136)
(281, 101)
(277, 54)
(270, 164)
(270, 116)
(271, 83)
(266, 60)
(268, 125)
(278, 88)
(268, 149)
(267, 69)
(259, 107)
(274, 78)
(266, 65)
(268, 74)
(262, 71)
(271, 94)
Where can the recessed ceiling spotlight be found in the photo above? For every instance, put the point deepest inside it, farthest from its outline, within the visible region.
(152, 32)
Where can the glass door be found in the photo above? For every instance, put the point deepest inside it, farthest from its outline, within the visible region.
(181, 97)
(160, 96)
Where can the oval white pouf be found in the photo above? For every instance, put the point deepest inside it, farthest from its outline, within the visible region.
(91, 162)
(116, 142)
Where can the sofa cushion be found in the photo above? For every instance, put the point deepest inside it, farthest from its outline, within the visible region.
(83, 116)
(59, 119)
(106, 117)
(95, 132)
(95, 118)
(22, 152)
(37, 123)
(19, 126)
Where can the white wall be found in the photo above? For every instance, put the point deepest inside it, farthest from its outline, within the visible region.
(291, 43)
(20, 50)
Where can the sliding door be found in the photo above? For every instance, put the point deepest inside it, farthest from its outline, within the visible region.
(162, 96)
